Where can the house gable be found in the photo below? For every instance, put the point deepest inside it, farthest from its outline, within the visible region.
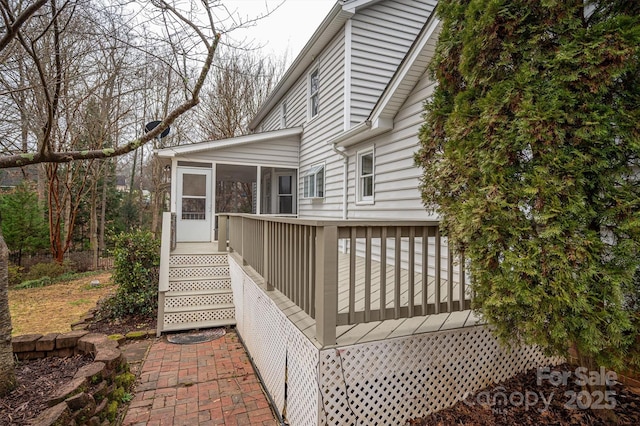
(381, 35)
(373, 38)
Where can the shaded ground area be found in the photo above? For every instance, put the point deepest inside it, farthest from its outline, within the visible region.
(122, 326)
(525, 400)
(37, 380)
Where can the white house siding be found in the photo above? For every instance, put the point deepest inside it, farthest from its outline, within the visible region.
(396, 178)
(326, 125)
(296, 100)
(271, 121)
(283, 152)
(381, 36)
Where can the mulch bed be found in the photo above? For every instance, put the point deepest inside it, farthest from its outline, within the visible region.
(37, 381)
(122, 326)
(521, 401)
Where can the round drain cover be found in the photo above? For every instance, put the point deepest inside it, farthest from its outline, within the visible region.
(196, 336)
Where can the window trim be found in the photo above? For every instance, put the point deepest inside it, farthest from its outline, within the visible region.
(311, 95)
(313, 173)
(362, 199)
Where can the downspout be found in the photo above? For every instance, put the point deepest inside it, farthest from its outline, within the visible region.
(345, 176)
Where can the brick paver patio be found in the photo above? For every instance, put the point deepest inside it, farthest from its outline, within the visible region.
(210, 383)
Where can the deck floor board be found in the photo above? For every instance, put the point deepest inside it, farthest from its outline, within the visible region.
(378, 330)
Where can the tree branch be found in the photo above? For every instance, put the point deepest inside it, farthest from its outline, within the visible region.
(18, 160)
(13, 29)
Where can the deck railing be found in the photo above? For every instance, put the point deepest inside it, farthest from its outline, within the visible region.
(167, 243)
(350, 272)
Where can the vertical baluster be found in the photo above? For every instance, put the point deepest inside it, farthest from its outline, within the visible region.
(438, 271)
(463, 286)
(352, 275)
(412, 270)
(383, 272)
(397, 270)
(425, 269)
(304, 261)
(449, 278)
(367, 276)
(296, 265)
(266, 254)
(312, 271)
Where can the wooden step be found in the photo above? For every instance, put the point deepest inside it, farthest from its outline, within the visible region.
(197, 308)
(199, 272)
(203, 292)
(199, 325)
(199, 314)
(200, 284)
(191, 302)
(198, 259)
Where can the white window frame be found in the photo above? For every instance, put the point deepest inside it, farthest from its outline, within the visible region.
(362, 177)
(313, 182)
(311, 114)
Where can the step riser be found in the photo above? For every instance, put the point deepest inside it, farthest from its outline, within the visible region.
(198, 259)
(198, 271)
(202, 316)
(197, 285)
(188, 301)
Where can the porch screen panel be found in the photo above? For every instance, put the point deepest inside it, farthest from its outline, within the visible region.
(194, 196)
(285, 194)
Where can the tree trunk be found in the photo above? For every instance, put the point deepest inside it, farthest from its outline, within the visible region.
(7, 371)
(93, 224)
(103, 210)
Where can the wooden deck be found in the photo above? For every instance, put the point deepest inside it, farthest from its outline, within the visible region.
(375, 330)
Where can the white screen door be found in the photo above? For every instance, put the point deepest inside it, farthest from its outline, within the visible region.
(194, 205)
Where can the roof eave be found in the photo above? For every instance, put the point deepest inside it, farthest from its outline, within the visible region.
(329, 27)
(380, 119)
(172, 152)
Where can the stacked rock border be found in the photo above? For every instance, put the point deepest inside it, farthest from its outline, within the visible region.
(93, 395)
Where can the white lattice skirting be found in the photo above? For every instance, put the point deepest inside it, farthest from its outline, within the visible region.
(378, 383)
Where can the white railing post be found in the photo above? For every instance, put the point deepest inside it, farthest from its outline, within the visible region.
(326, 284)
(163, 276)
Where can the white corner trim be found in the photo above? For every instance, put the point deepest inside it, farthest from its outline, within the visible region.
(347, 74)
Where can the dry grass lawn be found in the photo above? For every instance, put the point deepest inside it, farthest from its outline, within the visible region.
(53, 308)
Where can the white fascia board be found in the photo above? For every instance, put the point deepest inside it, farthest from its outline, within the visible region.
(329, 27)
(400, 78)
(224, 143)
(355, 5)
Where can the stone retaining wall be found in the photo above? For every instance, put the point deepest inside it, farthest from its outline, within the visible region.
(88, 398)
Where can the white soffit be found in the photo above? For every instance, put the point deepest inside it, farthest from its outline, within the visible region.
(224, 143)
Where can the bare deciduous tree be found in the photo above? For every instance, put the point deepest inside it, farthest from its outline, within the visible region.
(33, 40)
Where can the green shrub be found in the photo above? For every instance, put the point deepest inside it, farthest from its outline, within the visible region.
(51, 270)
(136, 262)
(16, 274)
(40, 282)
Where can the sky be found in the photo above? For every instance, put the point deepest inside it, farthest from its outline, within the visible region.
(286, 30)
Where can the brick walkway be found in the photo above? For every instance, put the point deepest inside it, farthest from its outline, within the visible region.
(203, 384)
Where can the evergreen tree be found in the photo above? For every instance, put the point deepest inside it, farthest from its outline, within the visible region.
(530, 155)
(23, 225)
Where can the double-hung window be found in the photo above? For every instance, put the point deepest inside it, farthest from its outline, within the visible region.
(314, 100)
(365, 176)
(314, 182)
